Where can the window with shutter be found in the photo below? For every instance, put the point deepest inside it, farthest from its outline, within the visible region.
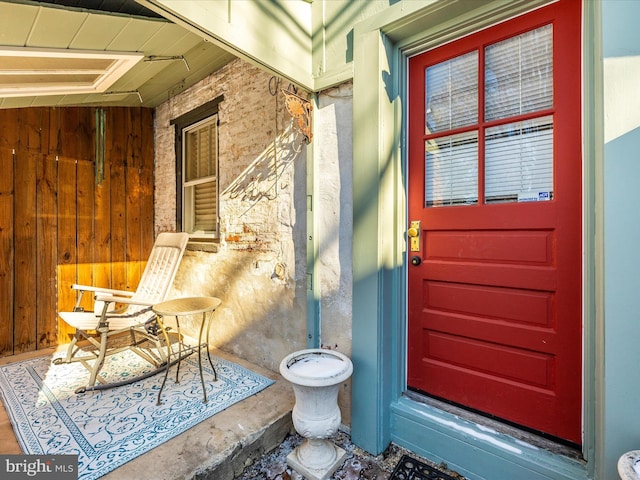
(200, 178)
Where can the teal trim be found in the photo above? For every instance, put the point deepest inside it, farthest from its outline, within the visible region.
(593, 443)
(380, 413)
(375, 265)
(482, 453)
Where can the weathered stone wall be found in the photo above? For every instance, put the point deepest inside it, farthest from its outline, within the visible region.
(259, 268)
(259, 271)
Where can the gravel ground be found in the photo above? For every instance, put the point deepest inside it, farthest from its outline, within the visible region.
(359, 465)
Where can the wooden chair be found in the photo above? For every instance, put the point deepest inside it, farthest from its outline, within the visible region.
(131, 326)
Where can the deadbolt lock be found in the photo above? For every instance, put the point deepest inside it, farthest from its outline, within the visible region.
(414, 235)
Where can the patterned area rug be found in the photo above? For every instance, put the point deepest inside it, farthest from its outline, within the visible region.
(107, 428)
(411, 469)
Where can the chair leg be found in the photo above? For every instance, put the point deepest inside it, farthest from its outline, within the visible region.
(70, 351)
(100, 358)
(72, 345)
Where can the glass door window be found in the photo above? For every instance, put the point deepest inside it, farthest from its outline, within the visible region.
(489, 130)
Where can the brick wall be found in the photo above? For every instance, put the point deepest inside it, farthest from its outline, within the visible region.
(251, 121)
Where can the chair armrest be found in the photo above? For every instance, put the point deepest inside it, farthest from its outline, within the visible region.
(111, 291)
(128, 300)
(107, 300)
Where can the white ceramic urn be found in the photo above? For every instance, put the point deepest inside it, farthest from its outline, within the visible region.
(629, 465)
(316, 375)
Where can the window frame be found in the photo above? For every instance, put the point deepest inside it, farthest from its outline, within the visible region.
(181, 124)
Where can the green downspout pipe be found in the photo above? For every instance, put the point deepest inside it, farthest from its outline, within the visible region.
(313, 286)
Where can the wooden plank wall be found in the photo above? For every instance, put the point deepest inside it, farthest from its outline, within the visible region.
(59, 225)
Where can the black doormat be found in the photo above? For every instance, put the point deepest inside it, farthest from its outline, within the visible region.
(411, 469)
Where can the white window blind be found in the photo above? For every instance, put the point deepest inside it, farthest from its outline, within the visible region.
(203, 199)
(519, 74)
(200, 187)
(201, 151)
(519, 80)
(452, 93)
(519, 161)
(452, 170)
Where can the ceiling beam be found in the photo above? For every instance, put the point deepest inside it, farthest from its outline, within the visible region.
(274, 35)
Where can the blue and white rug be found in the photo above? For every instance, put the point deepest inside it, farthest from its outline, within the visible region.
(107, 428)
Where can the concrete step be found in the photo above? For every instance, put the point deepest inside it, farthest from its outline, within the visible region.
(218, 448)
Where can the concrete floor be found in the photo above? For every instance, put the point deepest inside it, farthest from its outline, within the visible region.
(248, 441)
(218, 448)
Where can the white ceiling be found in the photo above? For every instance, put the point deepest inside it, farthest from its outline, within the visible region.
(172, 58)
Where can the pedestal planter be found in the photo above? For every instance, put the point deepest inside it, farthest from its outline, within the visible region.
(316, 375)
(629, 465)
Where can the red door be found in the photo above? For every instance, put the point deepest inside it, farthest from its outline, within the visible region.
(495, 178)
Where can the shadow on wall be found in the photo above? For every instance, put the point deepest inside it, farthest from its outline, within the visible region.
(258, 272)
(260, 318)
(258, 209)
(260, 179)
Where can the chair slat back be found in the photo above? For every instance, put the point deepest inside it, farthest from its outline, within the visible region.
(161, 267)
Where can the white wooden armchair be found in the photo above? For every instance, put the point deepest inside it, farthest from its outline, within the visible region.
(132, 326)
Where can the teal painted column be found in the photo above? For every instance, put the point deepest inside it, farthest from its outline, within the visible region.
(374, 244)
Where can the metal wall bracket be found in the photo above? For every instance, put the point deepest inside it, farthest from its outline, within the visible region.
(300, 109)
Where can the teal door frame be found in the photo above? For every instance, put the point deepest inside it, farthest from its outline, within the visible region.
(382, 45)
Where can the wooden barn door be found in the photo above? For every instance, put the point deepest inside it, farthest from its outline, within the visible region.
(66, 218)
(495, 203)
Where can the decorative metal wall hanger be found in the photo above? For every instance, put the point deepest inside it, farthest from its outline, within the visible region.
(300, 109)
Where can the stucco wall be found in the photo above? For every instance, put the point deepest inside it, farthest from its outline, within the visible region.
(334, 216)
(621, 51)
